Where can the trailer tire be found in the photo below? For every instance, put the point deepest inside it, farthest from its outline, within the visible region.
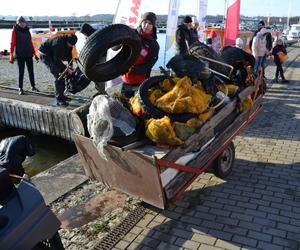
(224, 162)
(92, 58)
(152, 110)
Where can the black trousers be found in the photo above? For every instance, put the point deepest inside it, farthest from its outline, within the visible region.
(55, 71)
(21, 65)
(279, 70)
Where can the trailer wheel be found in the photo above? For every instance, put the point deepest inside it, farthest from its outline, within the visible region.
(224, 163)
(92, 58)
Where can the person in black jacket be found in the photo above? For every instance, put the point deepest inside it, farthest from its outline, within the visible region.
(13, 151)
(22, 49)
(275, 52)
(54, 51)
(184, 36)
(87, 30)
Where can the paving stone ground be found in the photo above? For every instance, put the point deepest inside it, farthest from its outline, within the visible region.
(258, 205)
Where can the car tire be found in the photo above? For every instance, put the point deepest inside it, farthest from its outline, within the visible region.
(92, 58)
(151, 109)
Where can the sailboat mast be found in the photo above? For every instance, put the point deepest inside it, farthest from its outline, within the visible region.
(288, 17)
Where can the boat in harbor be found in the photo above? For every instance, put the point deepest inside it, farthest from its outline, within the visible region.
(294, 32)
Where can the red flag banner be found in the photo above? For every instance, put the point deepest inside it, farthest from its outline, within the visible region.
(232, 22)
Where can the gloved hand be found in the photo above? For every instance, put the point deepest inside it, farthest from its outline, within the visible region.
(11, 58)
(36, 58)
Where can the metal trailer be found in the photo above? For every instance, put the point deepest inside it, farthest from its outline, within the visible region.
(159, 176)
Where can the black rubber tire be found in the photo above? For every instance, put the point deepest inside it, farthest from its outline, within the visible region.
(224, 162)
(95, 49)
(152, 110)
(235, 56)
(201, 49)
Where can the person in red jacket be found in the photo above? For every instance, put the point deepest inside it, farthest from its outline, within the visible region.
(21, 48)
(147, 58)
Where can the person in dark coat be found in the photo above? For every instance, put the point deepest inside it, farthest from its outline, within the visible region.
(275, 52)
(13, 152)
(54, 51)
(21, 48)
(184, 36)
(142, 67)
(87, 30)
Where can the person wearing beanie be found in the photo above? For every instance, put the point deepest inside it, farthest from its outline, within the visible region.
(184, 36)
(143, 65)
(87, 30)
(53, 52)
(21, 49)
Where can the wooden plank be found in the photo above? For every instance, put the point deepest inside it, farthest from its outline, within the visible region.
(15, 115)
(10, 123)
(62, 125)
(41, 122)
(33, 121)
(36, 121)
(3, 116)
(127, 171)
(67, 127)
(56, 124)
(51, 123)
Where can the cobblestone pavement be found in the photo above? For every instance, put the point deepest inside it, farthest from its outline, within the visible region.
(258, 205)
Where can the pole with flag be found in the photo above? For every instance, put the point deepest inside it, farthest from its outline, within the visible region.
(232, 22)
(201, 16)
(171, 25)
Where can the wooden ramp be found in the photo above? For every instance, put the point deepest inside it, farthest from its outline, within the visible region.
(37, 112)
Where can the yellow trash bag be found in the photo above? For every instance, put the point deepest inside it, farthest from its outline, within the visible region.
(166, 85)
(246, 105)
(162, 132)
(206, 115)
(184, 98)
(136, 107)
(154, 94)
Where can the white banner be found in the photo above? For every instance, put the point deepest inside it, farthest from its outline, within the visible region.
(129, 12)
(201, 16)
(171, 23)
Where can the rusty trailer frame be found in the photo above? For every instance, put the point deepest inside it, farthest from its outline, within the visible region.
(138, 170)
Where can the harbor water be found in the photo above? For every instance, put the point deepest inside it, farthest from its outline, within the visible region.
(5, 35)
(48, 150)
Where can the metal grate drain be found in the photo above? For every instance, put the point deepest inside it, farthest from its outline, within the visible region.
(111, 239)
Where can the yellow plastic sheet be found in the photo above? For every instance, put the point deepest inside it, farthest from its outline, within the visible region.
(184, 98)
(162, 132)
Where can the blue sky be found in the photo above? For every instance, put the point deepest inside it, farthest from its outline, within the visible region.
(84, 7)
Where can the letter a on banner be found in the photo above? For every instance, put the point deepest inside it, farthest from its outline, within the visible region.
(129, 12)
(232, 22)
